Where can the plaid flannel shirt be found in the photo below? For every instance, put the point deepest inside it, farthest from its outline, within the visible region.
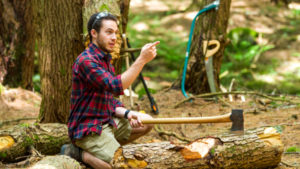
(93, 85)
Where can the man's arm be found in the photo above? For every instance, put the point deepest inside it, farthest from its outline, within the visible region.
(148, 53)
(133, 117)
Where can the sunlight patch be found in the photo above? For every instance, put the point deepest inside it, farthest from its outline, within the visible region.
(140, 26)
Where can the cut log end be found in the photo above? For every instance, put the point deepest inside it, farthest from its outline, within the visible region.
(199, 148)
(6, 142)
(271, 137)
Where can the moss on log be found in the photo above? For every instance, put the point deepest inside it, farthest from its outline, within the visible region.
(46, 138)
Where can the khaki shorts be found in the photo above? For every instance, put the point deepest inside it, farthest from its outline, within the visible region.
(105, 145)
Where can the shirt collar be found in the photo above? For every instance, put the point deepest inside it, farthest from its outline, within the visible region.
(95, 49)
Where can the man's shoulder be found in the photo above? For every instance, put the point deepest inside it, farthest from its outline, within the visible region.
(86, 55)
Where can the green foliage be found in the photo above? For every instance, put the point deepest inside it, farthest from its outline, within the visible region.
(36, 82)
(279, 129)
(171, 49)
(163, 75)
(212, 151)
(104, 7)
(295, 13)
(1, 88)
(26, 125)
(3, 155)
(240, 56)
(243, 49)
(293, 149)
(296, 54)
(142, 92)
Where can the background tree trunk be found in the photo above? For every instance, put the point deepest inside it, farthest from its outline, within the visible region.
(17, 43)
(210, 27)
(59, 43)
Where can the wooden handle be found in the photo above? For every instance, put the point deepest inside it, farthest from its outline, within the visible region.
(213, 119)
(127, 67)
(210, 52)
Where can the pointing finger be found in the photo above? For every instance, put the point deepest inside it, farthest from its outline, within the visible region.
(154, 44)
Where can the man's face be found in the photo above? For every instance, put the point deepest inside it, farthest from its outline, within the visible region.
(107, 37)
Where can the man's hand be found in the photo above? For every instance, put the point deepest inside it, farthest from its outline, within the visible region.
(148, 52)
(134, 120)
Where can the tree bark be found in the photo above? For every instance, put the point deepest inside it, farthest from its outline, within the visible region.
(57, 162)
(59, 43)
(259, 148)
(17, 43)
(46, 138)
(210, 25)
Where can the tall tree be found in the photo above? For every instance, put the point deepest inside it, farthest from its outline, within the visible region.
(16, 43)
(211, 25)
(59, 40)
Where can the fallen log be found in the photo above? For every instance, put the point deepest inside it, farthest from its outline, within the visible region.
(45, 138)
(57, 162)
(258, 148)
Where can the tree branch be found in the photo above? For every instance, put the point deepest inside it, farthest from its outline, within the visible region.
(236, 92)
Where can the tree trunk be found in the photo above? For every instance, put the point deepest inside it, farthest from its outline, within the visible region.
(257, 148)
(210, 25)
(260, 148)
(119, 8)
(17, 43)
(59, 43)
(46, 138)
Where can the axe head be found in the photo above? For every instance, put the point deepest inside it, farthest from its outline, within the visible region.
(237, 119)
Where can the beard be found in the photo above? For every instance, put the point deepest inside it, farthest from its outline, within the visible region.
(101, 45)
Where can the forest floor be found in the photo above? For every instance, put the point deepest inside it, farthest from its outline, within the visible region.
(19, 106)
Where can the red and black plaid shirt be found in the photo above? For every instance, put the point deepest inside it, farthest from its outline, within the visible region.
(93, 85)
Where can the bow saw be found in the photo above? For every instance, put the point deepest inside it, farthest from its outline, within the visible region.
(208, 62)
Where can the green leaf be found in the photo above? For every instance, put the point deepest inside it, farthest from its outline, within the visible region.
(1, 88)
(279, 129)
(212, 151)
(104, 7)
(293, 149)
(3, 155)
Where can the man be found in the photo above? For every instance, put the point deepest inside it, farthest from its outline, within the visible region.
(98, 123)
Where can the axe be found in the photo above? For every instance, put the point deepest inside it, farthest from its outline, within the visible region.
(236, 117)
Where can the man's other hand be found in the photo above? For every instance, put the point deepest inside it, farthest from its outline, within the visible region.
(148, 51)
(135, 118)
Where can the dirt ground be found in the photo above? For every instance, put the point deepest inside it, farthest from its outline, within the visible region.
(22, 104)
(257, 114)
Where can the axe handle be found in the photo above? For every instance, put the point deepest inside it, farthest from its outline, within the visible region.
(213, 119)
